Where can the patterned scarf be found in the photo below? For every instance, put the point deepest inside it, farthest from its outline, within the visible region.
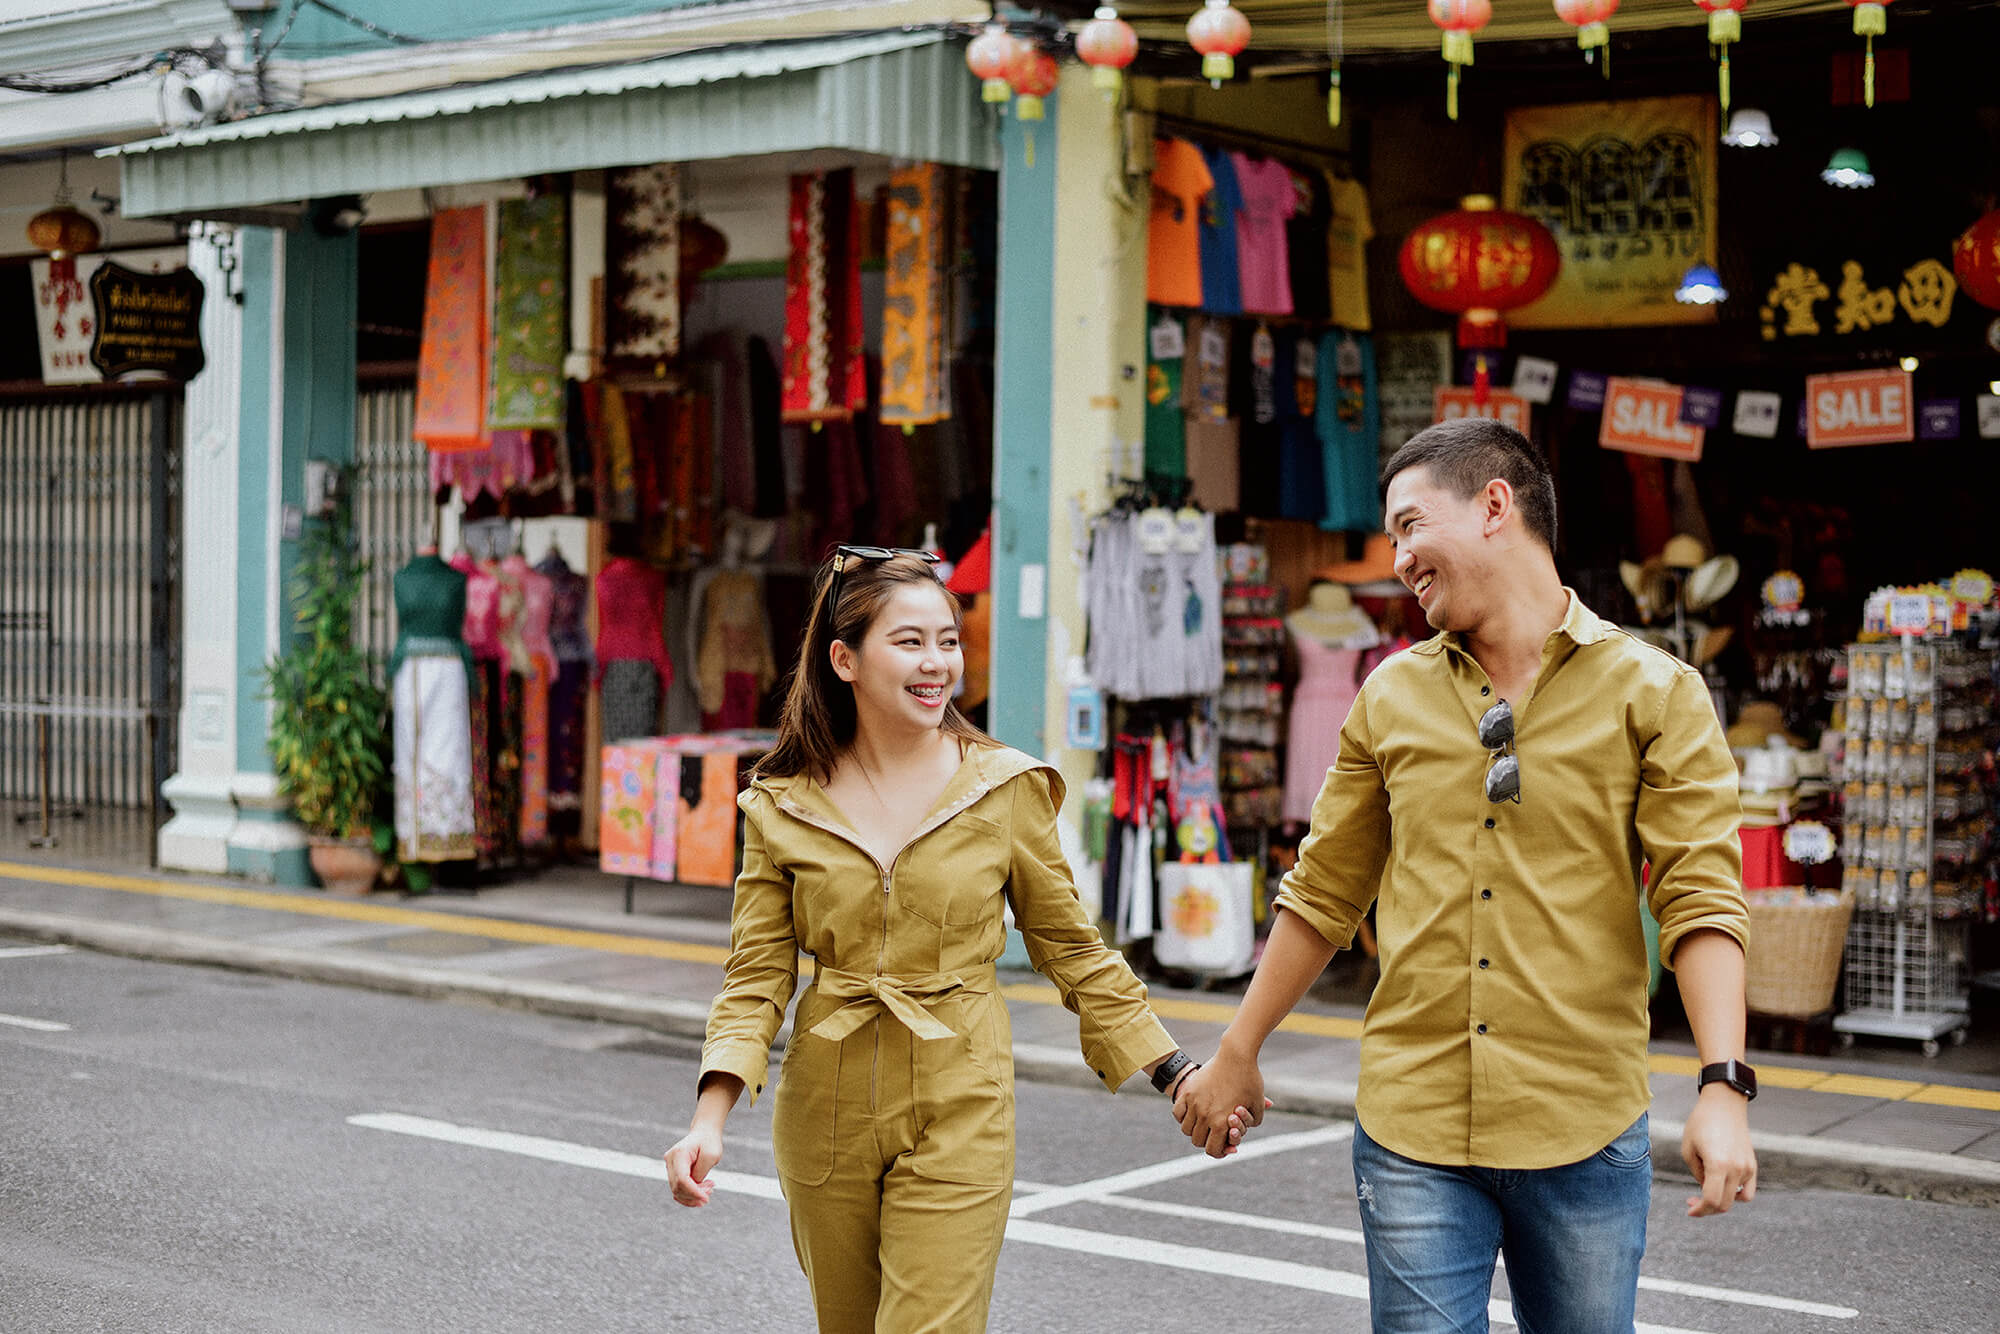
(825, 379)
(916, 308)
(530, 314)
(451, 364)
(643, 262)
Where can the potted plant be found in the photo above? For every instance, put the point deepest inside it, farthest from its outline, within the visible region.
(329, 720)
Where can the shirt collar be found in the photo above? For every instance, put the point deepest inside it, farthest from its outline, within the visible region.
(1580, 625)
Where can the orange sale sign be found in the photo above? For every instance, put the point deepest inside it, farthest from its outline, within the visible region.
(1507, 409)
(1860, 408)
(1644, 417)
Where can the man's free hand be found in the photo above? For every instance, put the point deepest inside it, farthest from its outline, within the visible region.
(1716, 1147)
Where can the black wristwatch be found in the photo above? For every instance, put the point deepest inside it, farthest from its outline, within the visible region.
(1733, 1073)
(1167, 1071)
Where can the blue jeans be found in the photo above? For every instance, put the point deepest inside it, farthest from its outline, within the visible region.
(1572, 1236)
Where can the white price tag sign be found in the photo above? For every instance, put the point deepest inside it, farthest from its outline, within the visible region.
(1169, 340)
(1757, 414)
(1809, 843)
(1989, 416)
(1535, 379)
(1909, 613)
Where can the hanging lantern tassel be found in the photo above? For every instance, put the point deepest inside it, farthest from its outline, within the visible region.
(1871, 20)
(1482, 380)
(1724, 26)
(1219, 32)
(1333, 100)
(1459, 19)
(1457, 51)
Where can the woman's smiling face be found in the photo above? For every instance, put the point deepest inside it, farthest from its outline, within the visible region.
(908, 662)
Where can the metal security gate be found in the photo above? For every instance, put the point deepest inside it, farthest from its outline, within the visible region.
(393, 513)
(89, 609)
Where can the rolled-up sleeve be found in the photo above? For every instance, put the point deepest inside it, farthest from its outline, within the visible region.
(763, 968)
(1340, 860)
(1117, 1029)
(1687, 819)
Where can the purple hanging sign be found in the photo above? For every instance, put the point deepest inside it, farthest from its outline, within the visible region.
(1938, 418)
(1586, 391)
(1701, 407)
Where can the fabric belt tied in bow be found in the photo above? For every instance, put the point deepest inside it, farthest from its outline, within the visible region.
(902, 997)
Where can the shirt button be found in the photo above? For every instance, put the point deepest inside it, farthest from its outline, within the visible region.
(1485, 893)
(1482, 1028)
(1482, 963)
(1489, 822)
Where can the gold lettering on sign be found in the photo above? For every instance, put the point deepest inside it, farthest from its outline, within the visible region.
(1861, 307)
(1795, 292)
(1926, 292)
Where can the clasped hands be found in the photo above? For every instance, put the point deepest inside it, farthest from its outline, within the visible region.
(1214, 1103)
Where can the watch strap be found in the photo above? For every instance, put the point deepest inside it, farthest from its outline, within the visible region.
(1169, 1070)
(1733, 1073)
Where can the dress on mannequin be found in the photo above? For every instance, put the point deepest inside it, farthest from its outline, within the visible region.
(734, 666)
(430, 670)
(1331, 634)
(633, 668)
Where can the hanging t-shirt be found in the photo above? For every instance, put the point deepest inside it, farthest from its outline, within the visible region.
(1212, 438)
(1221, 294)
(1253, 394)
(1166, 424)
(1301, 462)
(1350, 429)
(1173, 236)
(1262, 256)
(1347, 238)
(1305, 238)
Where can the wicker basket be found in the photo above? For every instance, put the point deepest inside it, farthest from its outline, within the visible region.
(1793, 962)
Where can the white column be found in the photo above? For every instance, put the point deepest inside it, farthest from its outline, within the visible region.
(197, 838)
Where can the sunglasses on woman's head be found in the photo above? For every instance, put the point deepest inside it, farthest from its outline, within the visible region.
(844, 556)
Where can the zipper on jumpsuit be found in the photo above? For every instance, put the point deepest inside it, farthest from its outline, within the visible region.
(929, 826)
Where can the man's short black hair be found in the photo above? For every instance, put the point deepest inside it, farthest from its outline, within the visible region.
(1466, 453)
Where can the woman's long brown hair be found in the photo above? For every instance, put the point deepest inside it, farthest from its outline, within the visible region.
(818, 719)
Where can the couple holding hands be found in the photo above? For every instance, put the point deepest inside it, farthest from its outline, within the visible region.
(1498, 788)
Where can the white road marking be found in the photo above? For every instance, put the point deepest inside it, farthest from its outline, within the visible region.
(1143, 1250)
(38, 1025)
(33, 951)
(1173, 1168)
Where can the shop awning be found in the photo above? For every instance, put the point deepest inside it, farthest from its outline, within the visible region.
(895, 94)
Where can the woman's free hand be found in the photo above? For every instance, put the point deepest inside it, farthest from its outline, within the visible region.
(689, 1163)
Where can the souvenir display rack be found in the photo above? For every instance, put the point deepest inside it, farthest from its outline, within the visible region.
(1251, 708)
(1916, 828)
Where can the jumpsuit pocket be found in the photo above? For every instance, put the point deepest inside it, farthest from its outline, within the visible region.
(803, 1123)
(963, 870)
(967, 1087)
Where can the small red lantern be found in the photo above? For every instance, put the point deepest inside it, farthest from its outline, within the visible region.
(1975, 258)
(1479, 263)
(1591, 30)
(1107, 44)
(1220, 33)
(988, 56)
(1459, 19)
(1871, 20)
(1725, 25)
(1033, 76)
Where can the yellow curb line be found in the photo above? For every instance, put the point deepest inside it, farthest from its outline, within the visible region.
(1211, 1012)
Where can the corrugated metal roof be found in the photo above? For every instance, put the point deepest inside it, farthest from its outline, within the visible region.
(896, 94)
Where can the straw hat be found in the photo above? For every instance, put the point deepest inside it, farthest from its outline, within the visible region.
(1760, 720)
(1683, 552)
(1711, 582)
(1648, 586)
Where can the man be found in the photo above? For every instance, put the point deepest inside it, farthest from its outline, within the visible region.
(1497, 790)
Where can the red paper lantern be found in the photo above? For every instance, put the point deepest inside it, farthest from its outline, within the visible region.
(1032, 75)
(1459, 19)
(1107, 44)
(65, 233)
(1479, 263)
(988, 56)
(1220, 33)
(1725, 25)
(1591, 30)
(1871, 20)
(1975, 258)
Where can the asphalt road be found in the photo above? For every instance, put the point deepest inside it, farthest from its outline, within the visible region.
(189, 1149)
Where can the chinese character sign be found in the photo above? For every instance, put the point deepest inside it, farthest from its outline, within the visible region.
(1856, 296)
(1628, 189)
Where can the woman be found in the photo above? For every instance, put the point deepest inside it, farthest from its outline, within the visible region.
(880, 835)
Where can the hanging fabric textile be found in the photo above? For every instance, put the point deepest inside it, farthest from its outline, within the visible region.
(734, 665)
(707, 821)
(507, 460)
(451, 362)
(537, 613)
(430, 669)
(642, 262)
(824, 373)
(530, 313)
(1166, 420)
(1221, 288)
(1155, 601)
(633, 667)
(916, 297)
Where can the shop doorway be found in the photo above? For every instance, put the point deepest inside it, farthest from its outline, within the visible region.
(90, 503)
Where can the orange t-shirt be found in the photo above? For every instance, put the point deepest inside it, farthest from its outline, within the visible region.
(1173, 239)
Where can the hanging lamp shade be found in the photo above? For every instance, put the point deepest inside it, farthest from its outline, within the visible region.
(1032, 75)
(1478, 263)
(1592, 32)
(1848, 168)
(1725, 25)
(1460, 19)
(1220, 32)
(1701, 285)
(1871, 20)
(1107, 44)
(988, 57)
(1749, 129)
(1975, 259)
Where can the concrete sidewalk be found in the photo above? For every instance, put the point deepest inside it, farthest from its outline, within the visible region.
(1871, 1119)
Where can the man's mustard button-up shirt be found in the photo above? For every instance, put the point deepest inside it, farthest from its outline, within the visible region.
(1509, 1027)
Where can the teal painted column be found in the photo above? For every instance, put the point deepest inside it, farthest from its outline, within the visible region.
(1022, 431)
(300, 295)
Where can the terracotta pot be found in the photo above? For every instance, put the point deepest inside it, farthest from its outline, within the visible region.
(345, 865)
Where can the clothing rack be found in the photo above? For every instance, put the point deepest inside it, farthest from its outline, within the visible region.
(1200, 129)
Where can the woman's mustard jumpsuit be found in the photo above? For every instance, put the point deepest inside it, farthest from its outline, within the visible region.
(894, 1128)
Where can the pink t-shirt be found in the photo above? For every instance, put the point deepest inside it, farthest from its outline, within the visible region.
(1263, 260)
